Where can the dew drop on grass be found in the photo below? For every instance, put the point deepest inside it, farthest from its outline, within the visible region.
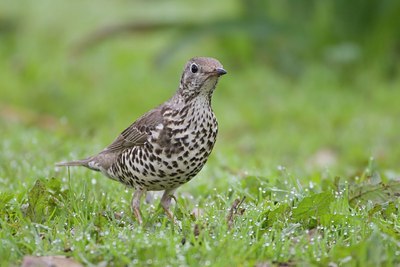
(311, 185)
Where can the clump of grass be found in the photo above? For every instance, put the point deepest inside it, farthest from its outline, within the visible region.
(290, 223)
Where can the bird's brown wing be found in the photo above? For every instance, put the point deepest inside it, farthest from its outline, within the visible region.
(137, 133)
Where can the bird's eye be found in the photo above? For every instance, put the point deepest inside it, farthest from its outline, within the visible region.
(194, 68)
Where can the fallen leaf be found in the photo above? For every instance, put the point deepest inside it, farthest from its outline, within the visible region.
(313, 206)
(49, 261)
(262, 264)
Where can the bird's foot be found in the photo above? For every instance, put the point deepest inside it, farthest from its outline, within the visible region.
(136, 205)
(136, 212)
(166, 203)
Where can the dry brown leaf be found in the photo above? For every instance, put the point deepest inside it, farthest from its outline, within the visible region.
(49, 261)
(196, 230)
(234, 211)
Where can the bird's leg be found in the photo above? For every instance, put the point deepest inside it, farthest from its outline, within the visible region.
(136, 204)
(166, 202)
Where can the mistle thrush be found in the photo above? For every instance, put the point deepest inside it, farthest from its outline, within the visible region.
(168, 145)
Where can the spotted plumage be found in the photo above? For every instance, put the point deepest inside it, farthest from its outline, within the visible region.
(168, 145)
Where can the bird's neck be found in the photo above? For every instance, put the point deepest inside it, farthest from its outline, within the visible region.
(186, 95)
(198, 99)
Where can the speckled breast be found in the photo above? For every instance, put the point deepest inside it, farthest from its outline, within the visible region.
(175, 151)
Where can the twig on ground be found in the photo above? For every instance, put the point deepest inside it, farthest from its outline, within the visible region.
(235, 210)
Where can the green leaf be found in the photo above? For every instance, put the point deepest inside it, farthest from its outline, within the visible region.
(43, 199)
(377, 193)
(313, 206)
(275, 215)
(37, 198)
(390, 209)
(375, 209)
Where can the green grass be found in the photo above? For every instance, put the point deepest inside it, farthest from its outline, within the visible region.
(315, 158)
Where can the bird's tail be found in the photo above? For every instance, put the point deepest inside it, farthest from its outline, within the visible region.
(90, 163)
(82, 162)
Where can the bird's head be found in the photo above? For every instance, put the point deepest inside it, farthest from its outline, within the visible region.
(200, 77)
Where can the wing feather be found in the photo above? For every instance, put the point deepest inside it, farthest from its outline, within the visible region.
(137, 133)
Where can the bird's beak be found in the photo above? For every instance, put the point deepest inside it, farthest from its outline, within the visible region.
(220, 71)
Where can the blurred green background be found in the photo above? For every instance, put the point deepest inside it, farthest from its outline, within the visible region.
(311, 85)
(312, 94)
